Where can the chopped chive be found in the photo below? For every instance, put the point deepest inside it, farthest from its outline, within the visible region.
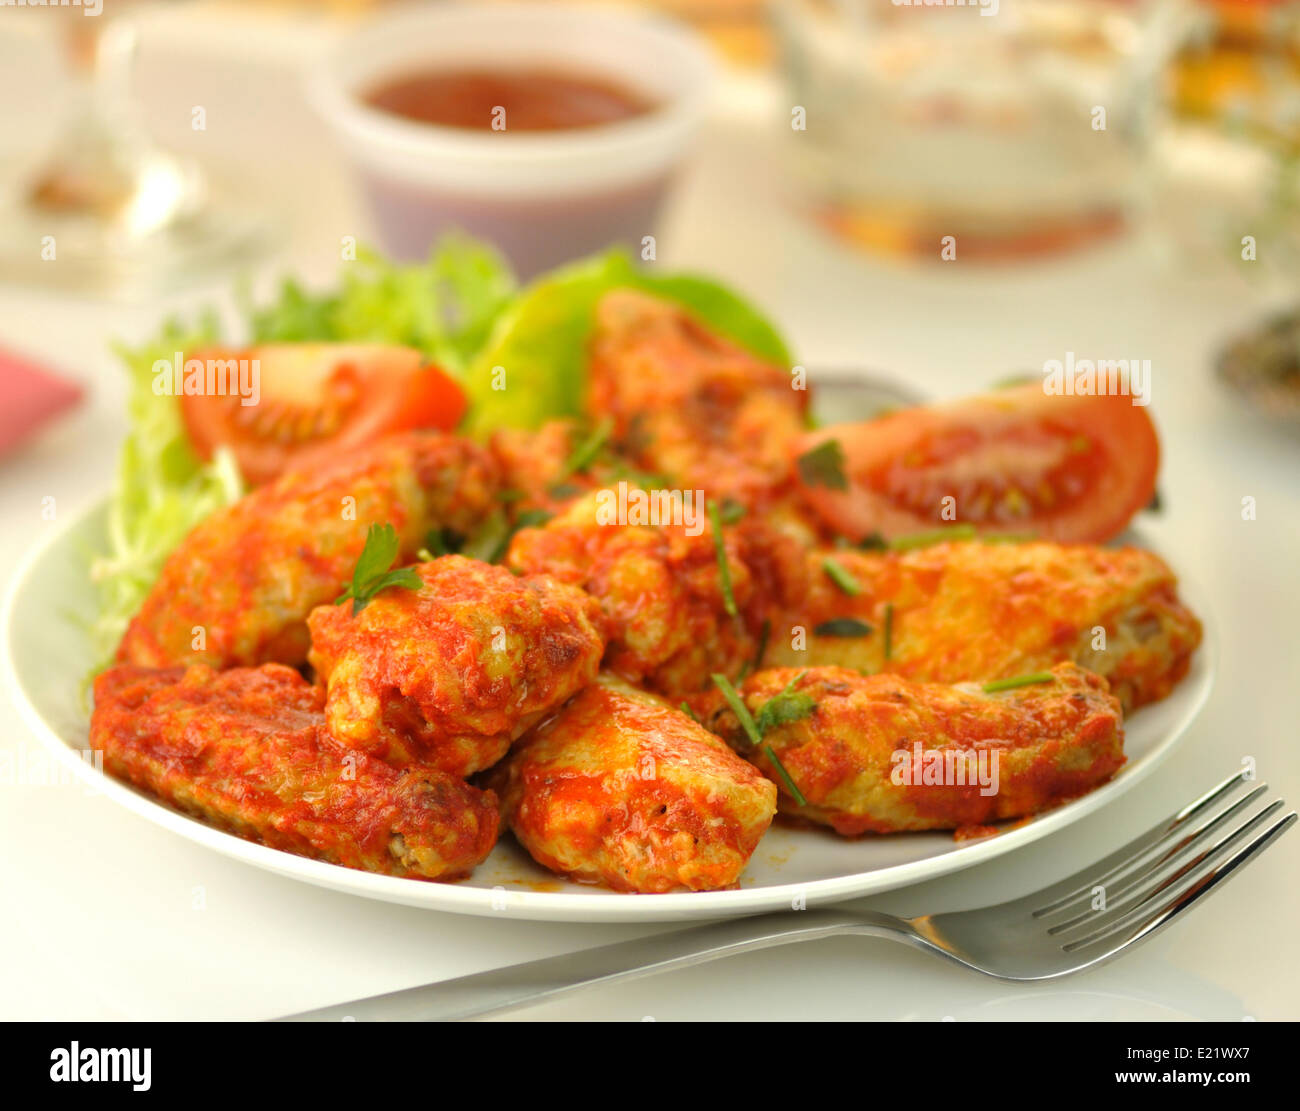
(724, 572)
(872, 542)
(841, 577)
(689, 712)
(889, 629)
(790, 783)
(763, 635)
(934, 536)
(843, 627)
(1008, 537)
(562, 490)
(738, 708)
(1018, 681)
(585, 453)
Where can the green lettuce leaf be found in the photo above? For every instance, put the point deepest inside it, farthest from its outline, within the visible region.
(538, 349)
(444, 307)
(161, 490)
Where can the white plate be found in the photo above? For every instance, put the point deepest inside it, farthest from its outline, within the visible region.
(47, 657)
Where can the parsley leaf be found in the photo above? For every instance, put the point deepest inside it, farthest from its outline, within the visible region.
(372, 572)
(843, 627)
(824, 466)
(790, 705)
(781, 709)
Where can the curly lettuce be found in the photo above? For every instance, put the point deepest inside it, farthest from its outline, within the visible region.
(445, 307)
(162, 489)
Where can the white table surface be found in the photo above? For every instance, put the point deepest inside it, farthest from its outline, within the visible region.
(104, 919)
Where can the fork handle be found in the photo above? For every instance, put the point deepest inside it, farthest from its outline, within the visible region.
(502, 989)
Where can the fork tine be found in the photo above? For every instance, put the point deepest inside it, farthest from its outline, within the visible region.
(1146, 918)
(1136, 877)
(1115, 913)
(1071, 888)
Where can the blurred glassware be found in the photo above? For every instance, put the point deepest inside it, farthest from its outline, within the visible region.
(978, 121)
(542, 197)
(109, 212)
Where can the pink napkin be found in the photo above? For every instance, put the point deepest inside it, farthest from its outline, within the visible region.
(29, 396)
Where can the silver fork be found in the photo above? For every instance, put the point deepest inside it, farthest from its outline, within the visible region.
(1138, 889)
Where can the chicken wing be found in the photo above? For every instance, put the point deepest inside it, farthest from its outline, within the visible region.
(689, 404)
(238, 589)
(882, 754)
(959, 611)
(622, 789)
(247, 750)
(663, 602)
(452, 673)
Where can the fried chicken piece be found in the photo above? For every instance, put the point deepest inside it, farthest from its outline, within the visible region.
(238, 589)
(535, 466)
(689, 404)
(452, 673)
(247, 750)
(620, 788)
(663, 605)
(882, 754)
(990, 611)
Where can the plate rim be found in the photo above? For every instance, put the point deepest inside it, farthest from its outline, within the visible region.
(508, 902)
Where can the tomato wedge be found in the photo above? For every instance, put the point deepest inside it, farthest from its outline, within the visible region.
(1065, 468)
(313, 400)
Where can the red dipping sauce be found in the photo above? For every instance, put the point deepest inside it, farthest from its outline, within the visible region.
(521, 100)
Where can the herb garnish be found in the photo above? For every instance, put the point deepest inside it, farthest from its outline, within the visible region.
(934, 536)
(586, 452)
(738, 708)
(724, 571)
(731, 511)
(781, 709)
(372, 572)
(843, 627)
(757, 661)
(889, 629)
(840, 577)
(490, 539)
(686, 709)
(787, 706)
(873, 542)
(823, 466)
(1018, 681)
(785, 775)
